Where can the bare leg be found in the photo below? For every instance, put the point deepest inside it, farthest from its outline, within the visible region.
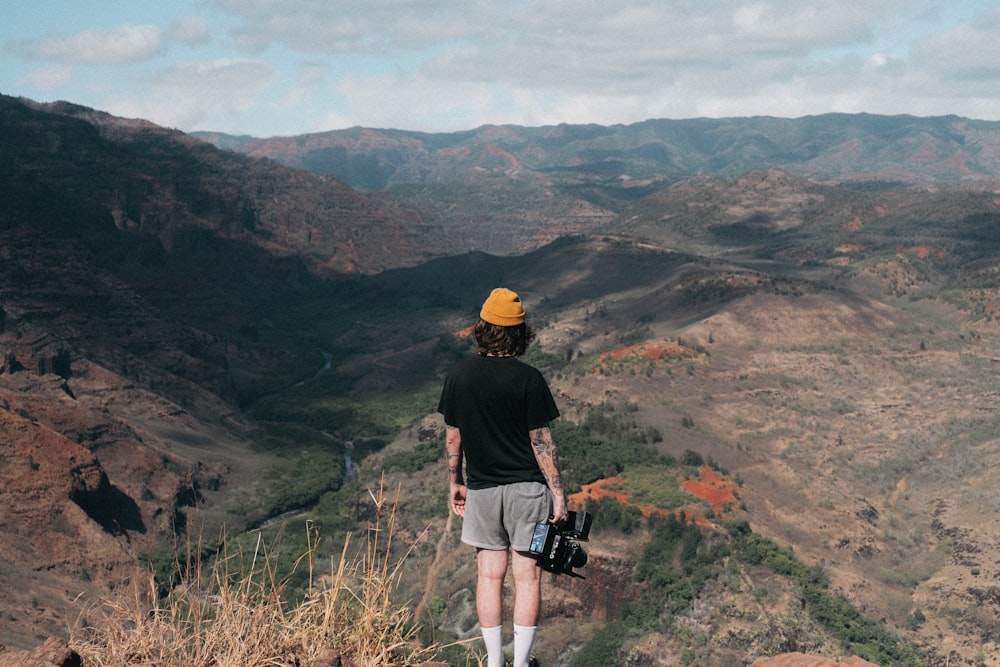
(492, 567)
(527, 602)
(527, 589)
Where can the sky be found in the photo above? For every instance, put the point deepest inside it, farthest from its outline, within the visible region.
(286, 67)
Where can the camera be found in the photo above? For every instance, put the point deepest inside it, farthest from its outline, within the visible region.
(557, 547)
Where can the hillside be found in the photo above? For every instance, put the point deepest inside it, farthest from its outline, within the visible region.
(141, 273)
(507, 188)
(187, 344)
(826, 147)
(72, 170)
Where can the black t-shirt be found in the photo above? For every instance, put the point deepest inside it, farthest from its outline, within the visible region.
(494, 402)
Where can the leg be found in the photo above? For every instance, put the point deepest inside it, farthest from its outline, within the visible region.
(492, 565)
(527, 602)
(527, 589)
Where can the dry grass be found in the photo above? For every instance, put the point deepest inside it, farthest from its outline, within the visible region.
(236, 614)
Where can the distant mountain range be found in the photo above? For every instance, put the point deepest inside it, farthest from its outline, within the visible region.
(827, 147)
(503, 189)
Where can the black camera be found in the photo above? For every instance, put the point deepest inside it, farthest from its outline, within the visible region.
(557, 547)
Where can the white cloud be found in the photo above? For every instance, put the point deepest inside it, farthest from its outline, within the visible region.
(968, 53)
(189, 94)
(407, 102)
(121, 45)
(190, 30)
(50, 77)
(358, 26)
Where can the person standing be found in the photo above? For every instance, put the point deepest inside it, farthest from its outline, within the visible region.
(497, 411)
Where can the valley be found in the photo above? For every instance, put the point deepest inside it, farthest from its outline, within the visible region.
(825, 351)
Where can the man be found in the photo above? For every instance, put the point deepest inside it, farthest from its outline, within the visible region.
(497, 411)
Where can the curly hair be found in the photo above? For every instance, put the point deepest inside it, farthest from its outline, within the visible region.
(501, 341)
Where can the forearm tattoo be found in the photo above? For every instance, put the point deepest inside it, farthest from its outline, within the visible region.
(453, 445)
(455, 467)
(548, 458)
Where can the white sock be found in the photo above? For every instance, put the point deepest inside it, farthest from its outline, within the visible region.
(524, 639)
(493, 638)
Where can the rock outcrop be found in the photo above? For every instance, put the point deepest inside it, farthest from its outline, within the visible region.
(52, 653)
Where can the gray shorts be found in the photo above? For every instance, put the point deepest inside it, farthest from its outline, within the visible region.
(505, 516)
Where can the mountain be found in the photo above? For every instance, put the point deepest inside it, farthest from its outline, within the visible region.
(195, 339)
(165, 189)
(507, 188)
(825, 147)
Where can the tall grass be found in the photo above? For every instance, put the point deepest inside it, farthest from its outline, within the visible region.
(237, 613)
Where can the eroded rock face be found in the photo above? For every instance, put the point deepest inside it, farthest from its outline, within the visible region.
(49, 484)
(82, 496)
(52, 653)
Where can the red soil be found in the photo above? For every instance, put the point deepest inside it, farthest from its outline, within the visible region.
(719, 493)
(710, 487)
(598, 490)
(647, 350)
(853, 225)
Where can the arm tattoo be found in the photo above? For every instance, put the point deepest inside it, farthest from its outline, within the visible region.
(454, 465)
(548, 458)
(453, 445)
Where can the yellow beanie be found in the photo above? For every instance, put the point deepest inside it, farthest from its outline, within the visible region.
(502, 308)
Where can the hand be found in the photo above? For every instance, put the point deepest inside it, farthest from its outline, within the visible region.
(457, 499)
(560, 513)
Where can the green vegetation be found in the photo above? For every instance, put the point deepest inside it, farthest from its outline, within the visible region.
(859, 635)
(309, 430)
(680, 559)
(416, 459)
(587, 458)
(655, 485)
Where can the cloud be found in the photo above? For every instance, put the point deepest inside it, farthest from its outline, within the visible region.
(562, 52)
(230, 79)
(121, 45)
(189, 94)
(50, 77)
(968, 53)
(353, 26)
(126, 44)
(190, 30)
(558, 33)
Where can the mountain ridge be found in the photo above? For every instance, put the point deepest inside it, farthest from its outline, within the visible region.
(833, 146)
